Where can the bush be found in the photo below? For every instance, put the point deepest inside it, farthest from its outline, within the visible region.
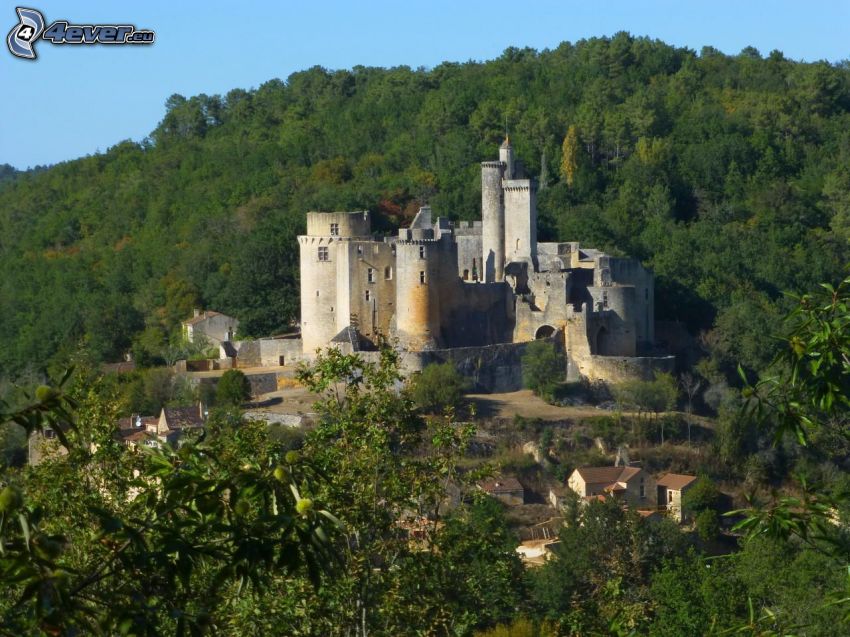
(542, 369)
(703, 496)
(438, 388)
(708, 525)
(233, 388)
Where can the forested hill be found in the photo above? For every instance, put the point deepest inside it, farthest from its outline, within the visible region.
(728, 175)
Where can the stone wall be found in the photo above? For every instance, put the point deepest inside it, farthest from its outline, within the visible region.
(490, 368)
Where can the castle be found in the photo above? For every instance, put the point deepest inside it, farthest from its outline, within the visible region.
(438, 289)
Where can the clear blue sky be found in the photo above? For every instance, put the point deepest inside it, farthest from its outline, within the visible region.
(77, 100)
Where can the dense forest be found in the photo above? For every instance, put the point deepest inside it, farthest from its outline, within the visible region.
(729, 176)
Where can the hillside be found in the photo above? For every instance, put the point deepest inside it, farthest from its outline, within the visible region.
(729, 176)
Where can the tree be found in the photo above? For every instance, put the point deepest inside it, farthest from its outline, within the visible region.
(691, 385)
(438, 387)
(569, 155)
(203, 523)
(233, 388)
(542, 368)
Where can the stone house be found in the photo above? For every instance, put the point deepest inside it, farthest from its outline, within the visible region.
(632, 485)
(156, 431)
(215, 327)
(508, 490)
(671, 488)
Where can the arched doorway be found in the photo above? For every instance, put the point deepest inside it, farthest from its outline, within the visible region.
(544, 331)
(603, 342)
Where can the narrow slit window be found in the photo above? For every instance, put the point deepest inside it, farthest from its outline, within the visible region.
(422, 276)
(370, 275)
(421, 252)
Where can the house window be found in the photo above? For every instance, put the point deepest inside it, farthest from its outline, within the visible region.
(334, 229)
(370, 275)
(642, 489)
(323, 253)
(421, 252)
(466, 275)
(388, 273)
(669, 497)
(422, 276)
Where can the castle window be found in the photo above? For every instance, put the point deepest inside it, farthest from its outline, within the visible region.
(466, 275)
(370, 275)
(422, 276)
(334, 229)
(323, 253)
(359, 250)
(317, 293)
(368, 295)
(421, 252)
(393, 250)
(388, 273)
(604, 299)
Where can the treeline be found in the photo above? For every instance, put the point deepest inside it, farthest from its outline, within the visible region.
(727, 175)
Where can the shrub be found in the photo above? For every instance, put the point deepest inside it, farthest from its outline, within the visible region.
(542, 369)
(708, 524)
(438, 388)
(233, 389)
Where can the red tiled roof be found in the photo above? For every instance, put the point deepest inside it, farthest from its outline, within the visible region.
(203, 316)
(675, 481)
(608, 475)
(181, 417)
(501, 485)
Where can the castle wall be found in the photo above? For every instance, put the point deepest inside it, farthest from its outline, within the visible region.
(623, 271)
(372, 316)
(614, 333)
(468, 238)
(475, 314)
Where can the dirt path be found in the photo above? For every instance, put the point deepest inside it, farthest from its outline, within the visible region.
(524, 403)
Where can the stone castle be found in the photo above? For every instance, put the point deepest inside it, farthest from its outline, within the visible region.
(444, 291)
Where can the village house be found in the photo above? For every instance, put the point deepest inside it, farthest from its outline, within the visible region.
(508, 490)
(671, 488)
(215, 327)
(156, 431)
(632, 485)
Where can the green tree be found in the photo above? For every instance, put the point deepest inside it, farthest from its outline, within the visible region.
(542, 368)
(233, 388)
(438, 387)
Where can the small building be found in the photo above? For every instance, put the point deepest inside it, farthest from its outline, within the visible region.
(633, 485)
(508, 490)
(156, 431)
(671, 488)
(215, 327)
(558, 496)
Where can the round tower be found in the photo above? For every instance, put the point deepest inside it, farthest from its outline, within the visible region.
(492, 221)
(318, 292)
(417, 294)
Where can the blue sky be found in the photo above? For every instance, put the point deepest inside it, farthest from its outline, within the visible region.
(77, 100)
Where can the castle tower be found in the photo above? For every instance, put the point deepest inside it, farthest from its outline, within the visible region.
(493, 217)
(417, 293)
(326, 274)
(520, 210)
